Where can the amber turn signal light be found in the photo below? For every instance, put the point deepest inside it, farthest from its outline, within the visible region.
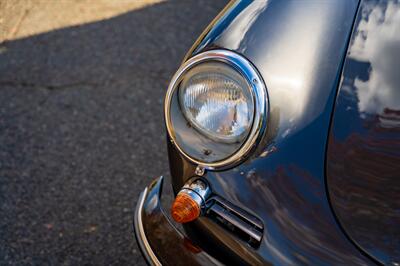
(190, 201)
(185, 208)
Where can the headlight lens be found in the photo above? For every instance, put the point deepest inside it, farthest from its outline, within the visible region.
(215, 108)
(217, 101)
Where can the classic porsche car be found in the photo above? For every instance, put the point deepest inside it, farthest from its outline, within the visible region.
(283, 126)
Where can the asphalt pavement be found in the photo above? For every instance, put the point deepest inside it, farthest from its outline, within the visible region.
(82, 132)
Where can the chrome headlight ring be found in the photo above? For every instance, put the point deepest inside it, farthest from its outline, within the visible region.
(258, 93)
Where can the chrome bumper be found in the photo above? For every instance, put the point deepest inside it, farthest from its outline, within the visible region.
(160, 242)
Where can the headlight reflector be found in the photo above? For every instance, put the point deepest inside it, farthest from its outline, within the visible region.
(217, 100)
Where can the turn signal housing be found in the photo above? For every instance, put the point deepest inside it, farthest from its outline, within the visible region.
(190, 201)
(185, 208)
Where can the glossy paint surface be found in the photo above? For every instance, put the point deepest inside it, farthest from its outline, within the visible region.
(298, 47)
(363, 166)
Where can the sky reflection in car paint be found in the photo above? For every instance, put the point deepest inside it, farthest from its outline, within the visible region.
(286, 187)
(364, 150)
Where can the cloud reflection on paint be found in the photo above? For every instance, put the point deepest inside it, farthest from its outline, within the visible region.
(364, 147)
(377, 42)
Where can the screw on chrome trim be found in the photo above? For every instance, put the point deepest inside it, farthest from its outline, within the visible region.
(200, 170)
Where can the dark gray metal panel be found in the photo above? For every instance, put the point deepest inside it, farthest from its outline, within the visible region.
(363, 166)
(298, 47)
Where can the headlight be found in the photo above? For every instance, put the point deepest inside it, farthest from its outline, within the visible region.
(215, 108)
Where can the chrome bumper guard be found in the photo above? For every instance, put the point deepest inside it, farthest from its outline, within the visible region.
(160, 242)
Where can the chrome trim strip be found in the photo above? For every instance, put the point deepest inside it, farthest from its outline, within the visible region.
(236, 221)
(140, 235)
(260, 97)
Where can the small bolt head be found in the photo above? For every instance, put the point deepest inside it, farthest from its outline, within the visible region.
(199, 170)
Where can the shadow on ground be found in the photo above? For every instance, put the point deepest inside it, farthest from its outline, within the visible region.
(81, 132)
